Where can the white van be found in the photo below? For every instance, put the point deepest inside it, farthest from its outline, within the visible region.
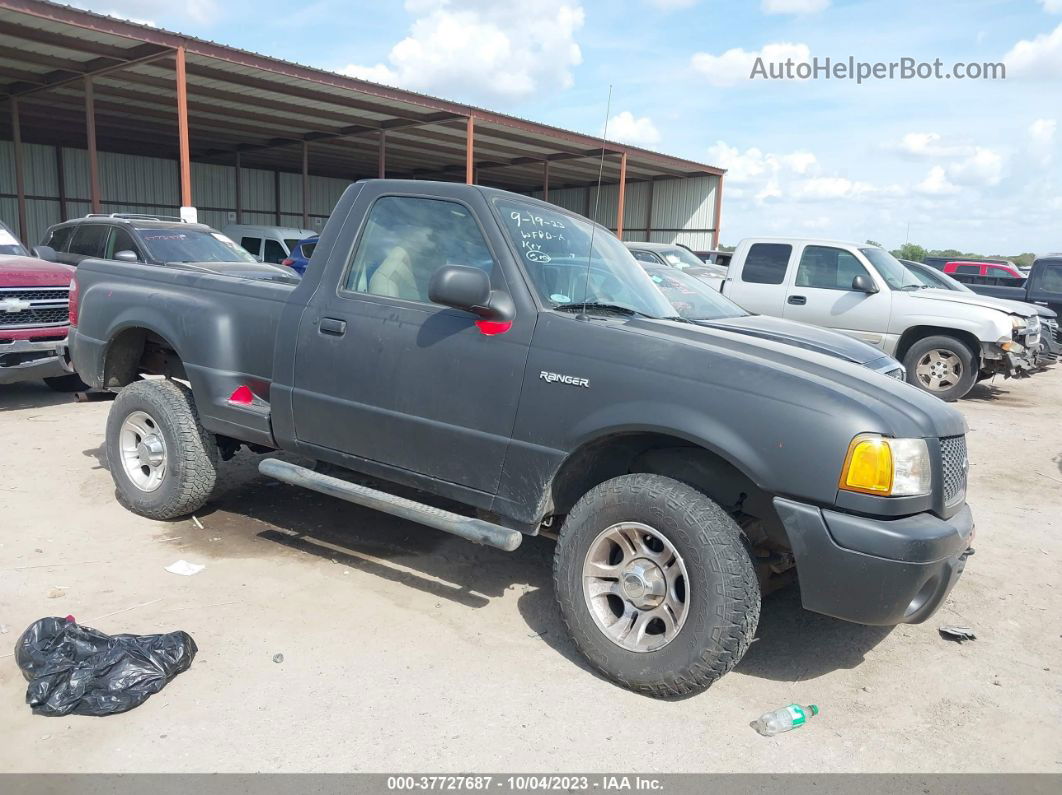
(269, 243)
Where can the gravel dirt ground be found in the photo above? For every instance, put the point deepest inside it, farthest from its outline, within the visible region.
(405, 649)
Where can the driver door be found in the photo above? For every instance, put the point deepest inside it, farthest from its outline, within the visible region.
(820, 292)
(383, 374)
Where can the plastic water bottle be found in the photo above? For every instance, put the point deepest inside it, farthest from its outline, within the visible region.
(784, 719)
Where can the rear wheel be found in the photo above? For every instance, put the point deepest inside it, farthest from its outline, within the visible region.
(162, 460)
(656, 585)
(942, 366)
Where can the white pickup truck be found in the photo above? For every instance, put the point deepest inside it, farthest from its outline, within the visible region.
(947, 341)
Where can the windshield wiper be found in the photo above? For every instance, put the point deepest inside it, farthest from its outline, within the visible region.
(597, 306)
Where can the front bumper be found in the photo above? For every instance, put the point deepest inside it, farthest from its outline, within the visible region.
(28, 360)
(875, 571)
(1009, 364)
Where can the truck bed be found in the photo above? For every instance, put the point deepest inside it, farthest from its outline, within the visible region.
(235, 321)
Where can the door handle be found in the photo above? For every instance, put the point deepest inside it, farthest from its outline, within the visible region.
(333, 326)
(797, 300)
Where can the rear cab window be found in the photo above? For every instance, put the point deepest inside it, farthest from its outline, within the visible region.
(766, 263)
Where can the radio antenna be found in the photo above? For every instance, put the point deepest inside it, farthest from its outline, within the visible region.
(597, 200)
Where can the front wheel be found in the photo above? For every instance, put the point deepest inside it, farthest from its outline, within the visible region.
(942, 366)
(163, 462)
(656, 585)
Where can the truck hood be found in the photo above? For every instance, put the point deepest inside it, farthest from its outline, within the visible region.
(802, 335)
(891, 406)
(973, 299)
(32, 272)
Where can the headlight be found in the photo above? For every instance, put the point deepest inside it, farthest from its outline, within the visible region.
(1010, 346)
(887, 467)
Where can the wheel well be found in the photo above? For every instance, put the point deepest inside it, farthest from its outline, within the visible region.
(136, 351)
(916, 333)
(659, 454)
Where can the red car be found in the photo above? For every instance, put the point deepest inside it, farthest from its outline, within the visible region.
(34, 317)
(998, 269)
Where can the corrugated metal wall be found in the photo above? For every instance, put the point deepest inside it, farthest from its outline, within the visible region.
(137, 184)
(683, 210)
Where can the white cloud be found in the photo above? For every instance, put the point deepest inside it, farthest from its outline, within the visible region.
(919, 144)
(754, 165)
(826, 188)
(145, 11)
(1042, 131)
(1040, 58)
(735, 65)
(984, 168)
(625, 128)
(936, 183)
(1052, 6)
(477, 49)
(795, 6)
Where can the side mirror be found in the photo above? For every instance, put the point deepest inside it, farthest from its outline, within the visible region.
(466, 288)
(46, 253)
(863, 284)
(125, 255)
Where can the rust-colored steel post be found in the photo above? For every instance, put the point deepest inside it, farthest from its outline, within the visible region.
(20, 178)
(545, 180)
(90, 135)
(276, 197)
(182, 131)
(621, 196)
(381, 170)
(718, 213)
(470, 160)
(239, 190)
(305, 185)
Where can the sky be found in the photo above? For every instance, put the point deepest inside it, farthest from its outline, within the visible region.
(946, 163)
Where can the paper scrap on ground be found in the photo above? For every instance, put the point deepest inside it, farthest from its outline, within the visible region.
(185, 568)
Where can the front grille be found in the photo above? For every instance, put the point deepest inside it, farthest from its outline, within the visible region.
(954, 464)
(1051, 328)
(35, 294)
(33, 307)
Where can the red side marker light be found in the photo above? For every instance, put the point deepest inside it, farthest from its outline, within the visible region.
(489, 328)
(287, 261)
(243, 396)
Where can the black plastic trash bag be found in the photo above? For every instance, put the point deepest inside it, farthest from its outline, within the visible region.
(79, 670)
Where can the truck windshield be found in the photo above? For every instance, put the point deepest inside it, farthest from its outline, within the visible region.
(894, 272)
(692, 298)
(555, 250)
(191, 245)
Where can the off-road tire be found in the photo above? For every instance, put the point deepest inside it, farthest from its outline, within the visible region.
(971, 366)
(722, 590)
(66, 383)
(192, 451)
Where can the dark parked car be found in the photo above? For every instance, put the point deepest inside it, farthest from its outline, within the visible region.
(512, 358)
(140, 238)
(698, 303)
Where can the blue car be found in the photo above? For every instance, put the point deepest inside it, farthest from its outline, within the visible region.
(300, 254)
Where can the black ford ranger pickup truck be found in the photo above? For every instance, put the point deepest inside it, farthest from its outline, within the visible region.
(513, 359)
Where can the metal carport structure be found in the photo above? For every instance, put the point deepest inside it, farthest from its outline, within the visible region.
(83, 85)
